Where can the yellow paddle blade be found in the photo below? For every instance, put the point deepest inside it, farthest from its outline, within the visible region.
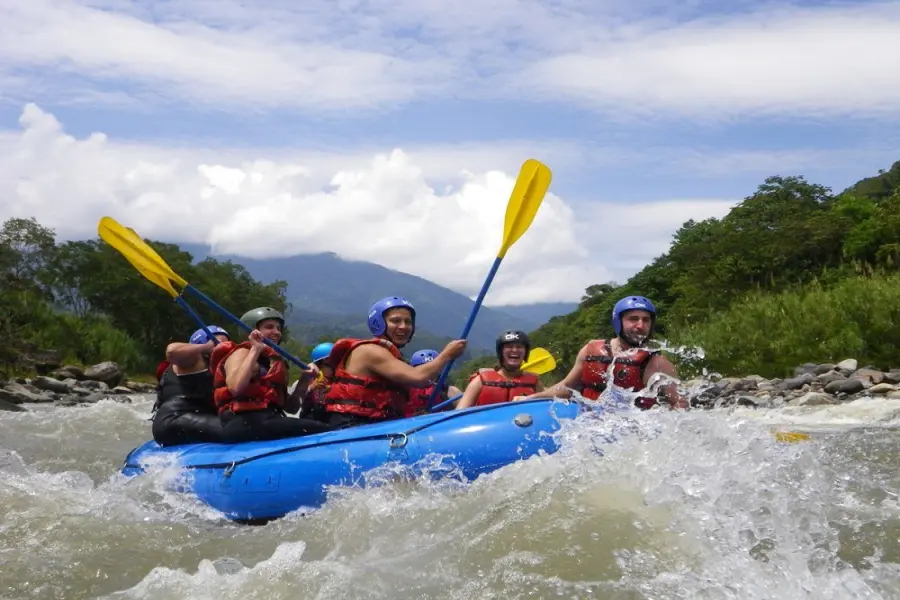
(540, 361)
(527, 195)
(790, 436)
(137, 251)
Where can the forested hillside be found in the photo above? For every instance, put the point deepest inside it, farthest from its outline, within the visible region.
(794, 273)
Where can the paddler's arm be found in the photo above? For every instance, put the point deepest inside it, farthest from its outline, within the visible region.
(243, 364)
(185, 355)
(660, 364)
(381, 362)
(470, 396)
(563, 389)
(293, 402)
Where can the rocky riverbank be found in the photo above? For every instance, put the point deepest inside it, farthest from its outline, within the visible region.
(70, 386)
(812, 385)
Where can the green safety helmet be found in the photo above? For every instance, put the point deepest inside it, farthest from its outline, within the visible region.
(253, 317)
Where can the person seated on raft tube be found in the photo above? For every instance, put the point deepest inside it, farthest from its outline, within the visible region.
(313, 403)
(418, 397)
(250, 385)
(184, 412)
(633, 365)
(506, 381)
(371, 379)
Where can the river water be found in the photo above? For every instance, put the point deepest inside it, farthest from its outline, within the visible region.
(700, 505)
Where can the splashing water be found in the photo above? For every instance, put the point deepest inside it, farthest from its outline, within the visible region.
(655, 504)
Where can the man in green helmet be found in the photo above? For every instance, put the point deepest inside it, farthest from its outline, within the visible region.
(250, 381)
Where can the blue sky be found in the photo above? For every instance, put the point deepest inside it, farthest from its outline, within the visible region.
(393, 131)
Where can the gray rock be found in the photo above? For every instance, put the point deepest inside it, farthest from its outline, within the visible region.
(121, 389)
(847, 366)
(42, 382)
(830, 376)
(805, 368)
(108, 372)
(796, 382)
(80, 391)
(847, 386)
(94, 386)
(16, 393)
(893, 376)
(93, 398)
(746, 385)
(892, 395)
(813, 399)
(822, 369)
(867, 375)
(10, 407)
(882, 388)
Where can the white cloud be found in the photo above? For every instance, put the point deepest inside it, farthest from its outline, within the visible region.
(705, 60)
(386, 211)
(812, 61)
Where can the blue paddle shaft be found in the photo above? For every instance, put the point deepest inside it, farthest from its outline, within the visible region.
(195, 317)
(244, 326)
(446, 402)
(465, 333)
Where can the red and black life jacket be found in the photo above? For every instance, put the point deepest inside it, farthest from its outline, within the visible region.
(262, 392)
(373, 397)
(628, 372)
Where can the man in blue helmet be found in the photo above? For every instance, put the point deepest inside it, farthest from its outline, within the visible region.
(625, 358)
(184, 412)
(371, 379)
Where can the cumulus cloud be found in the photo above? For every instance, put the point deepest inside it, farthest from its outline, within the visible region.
(697, 59)
(385, 210)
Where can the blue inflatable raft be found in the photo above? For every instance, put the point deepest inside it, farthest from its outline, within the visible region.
(265, 480)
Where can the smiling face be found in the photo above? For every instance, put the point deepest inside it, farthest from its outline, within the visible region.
(636, 326)
(399, 326)
(513, 355)
(271, 329)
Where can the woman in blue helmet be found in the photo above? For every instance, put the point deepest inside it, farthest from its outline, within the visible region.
(184, 412)
(418, 397)
(371, 379)
(625, 359)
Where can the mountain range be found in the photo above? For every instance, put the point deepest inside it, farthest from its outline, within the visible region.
(331, 296)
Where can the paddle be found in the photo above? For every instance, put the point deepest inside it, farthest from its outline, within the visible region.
(540, 361)
(164, 283)
(151, 265)
(527, 195)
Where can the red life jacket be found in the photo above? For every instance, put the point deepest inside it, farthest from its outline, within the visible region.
(418, 401)
(261, 393)
(495, 388)
(161, 368)
(375, 397)
(628, 372)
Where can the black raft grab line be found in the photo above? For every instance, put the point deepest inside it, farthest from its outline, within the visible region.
(380, 436)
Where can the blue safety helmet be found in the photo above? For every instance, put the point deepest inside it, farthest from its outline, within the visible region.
(200, 337)
(632, 303)
(422, 356)
(321, 351)
(376, 314)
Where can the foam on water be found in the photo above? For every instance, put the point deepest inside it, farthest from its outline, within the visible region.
(706, 504)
